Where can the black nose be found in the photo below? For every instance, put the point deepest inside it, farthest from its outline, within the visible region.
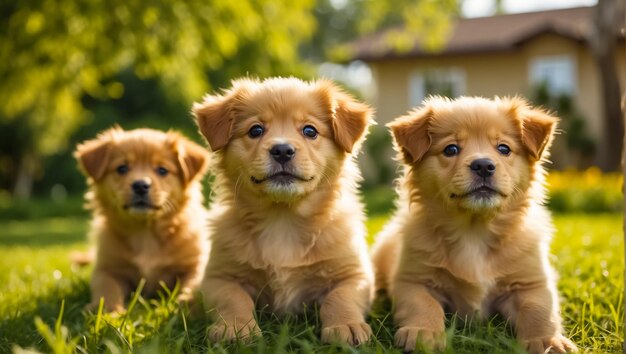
(140, 187)
(282, 152)
(483, 167)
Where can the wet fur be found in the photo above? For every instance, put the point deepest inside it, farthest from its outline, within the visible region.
(473, 256)
(294, 245)
(168, 244)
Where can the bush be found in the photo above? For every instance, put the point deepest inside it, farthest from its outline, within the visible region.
(588, 191)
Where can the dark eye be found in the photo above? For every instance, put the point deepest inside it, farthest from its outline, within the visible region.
(122, 169)
(504, 149)
(256, 131)
(162, 171)
(309, 131)
(451, 150)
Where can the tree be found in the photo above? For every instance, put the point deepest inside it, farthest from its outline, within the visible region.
(60, 56)
(342, 22)
(608, 14)
(56, 53)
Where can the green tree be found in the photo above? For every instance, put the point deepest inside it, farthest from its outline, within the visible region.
(56, 53)
(400, 22)
(75, 64)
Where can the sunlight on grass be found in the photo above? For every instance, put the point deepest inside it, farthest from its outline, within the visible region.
(35, 277)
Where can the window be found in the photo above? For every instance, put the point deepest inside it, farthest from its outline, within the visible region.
(556, 72)
(448, 82)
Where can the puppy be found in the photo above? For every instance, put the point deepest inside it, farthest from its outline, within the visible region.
(148, 216)
(287, 227)
(471, 233)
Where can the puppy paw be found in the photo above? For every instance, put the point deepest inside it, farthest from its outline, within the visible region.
(352, 333)
(551, 344)
(185, 297)
(230, 333)
(409, 337)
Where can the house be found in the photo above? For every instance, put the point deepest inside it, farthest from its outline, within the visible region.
(502, 55)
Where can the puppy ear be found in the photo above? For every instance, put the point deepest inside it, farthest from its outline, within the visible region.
(537, 131)
(410, 133)
(192, 159)
(93, 155)
(214, 118)
(215, 114)
(351, 121)
(350, 118)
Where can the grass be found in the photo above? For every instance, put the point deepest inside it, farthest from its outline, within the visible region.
(42, 296)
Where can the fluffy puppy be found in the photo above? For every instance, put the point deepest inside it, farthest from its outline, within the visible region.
(287, 226)
(148, 216)
(471, 234)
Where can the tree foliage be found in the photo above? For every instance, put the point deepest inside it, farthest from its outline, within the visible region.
(68, 64)
(57, 52)
(401, 22)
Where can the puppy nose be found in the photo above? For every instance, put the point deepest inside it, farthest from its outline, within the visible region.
(483, 167)
(140, 187)
(282, 152)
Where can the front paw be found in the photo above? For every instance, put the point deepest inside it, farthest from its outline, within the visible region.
(185, 296)
(229, 332)
(352, 333)
(408, 337)
(550, 344)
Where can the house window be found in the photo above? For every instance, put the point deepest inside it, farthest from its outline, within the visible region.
(448, 82)
(556, 72)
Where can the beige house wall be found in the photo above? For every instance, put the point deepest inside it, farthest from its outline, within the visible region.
(499, 74)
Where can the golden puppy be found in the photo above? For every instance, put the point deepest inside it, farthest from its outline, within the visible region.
(148, 216)
(287, 227)
(471, 233)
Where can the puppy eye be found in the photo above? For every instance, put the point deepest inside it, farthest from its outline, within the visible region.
(256, 131)
(451, 150)
(162, 171)
(122, 169)
(504, 149)
(309, 131)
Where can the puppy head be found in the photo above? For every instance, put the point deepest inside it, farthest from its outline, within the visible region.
(474, 153)
(143, 172)
(281, 137)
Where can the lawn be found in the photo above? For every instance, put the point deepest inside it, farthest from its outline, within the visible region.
(42, 296)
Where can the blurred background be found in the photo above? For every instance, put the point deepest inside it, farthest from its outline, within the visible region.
(71, 69)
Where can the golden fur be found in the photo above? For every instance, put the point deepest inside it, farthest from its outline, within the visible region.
(453, 247)
(158, 236)
(286, 243)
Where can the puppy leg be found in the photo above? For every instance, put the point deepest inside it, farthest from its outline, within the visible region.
(189, 283)
(535, 312)
(107, 286)
(419, 316)
(234, 310)
(343, 313)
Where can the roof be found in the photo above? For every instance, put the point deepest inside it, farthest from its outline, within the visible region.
(489, 34)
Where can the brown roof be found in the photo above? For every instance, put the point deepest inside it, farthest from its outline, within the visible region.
(489, 34)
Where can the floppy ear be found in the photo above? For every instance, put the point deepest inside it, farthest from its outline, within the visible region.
(410, 133)
(214, 118)
(192, 159)
(350, 118)
(537, 131)
(350, 122)
(93, 156)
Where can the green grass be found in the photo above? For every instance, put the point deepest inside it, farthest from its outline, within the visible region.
(42, 296)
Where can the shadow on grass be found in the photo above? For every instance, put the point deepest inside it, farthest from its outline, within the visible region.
(464, 335)
(44, 232)
(18, 326)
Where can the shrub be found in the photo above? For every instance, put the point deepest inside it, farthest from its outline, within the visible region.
(588, 191)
